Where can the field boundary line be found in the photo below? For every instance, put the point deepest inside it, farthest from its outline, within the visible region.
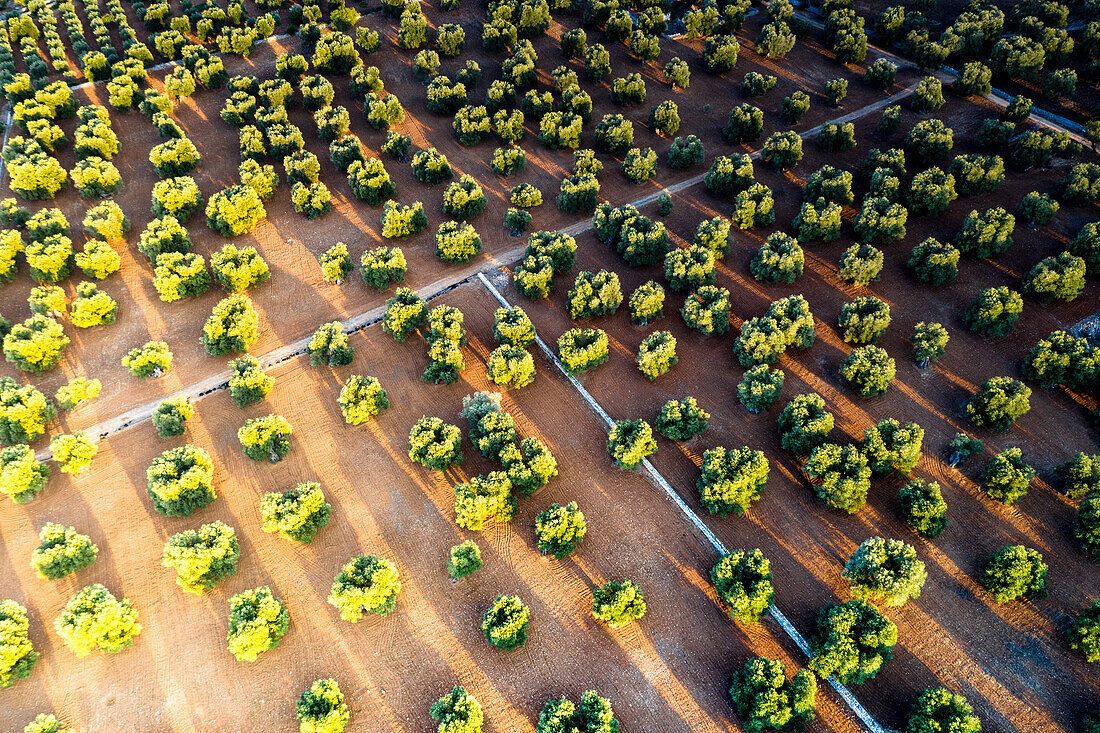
(853, 704)
(219, 381)
(136, 415)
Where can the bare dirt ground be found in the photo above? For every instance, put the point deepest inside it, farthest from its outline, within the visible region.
(295, 301)
(1010, 661)
(671, 671)
(668, 672)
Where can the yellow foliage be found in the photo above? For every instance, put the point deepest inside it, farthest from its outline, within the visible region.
(35, 345)
(98, 259)
(11, 246)
(235, 211)
(179, 275)
(237, 269)
(73, 453)
(107, 221)
(36, 177)
(50, 259)
(21, 475)
(78, 391)
(93, 307)
(95, 176)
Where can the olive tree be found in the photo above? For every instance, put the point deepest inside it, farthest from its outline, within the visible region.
(1056, 278)
(483, 499)
(891, 446)
(851, 642)
(592, 715)
(458, 712)
(1087, 527)
(629, 442)
(938, 709)
(618, 603)
(760, 387)
(690, 268)
(321, 708)
(1006, 477)
(961, 447)
(248, 383)
(202, 558)
(934, 262)
(1080, 476)
(1014, 571)
(743, 580)
(707, 310)
(929, 341)
(732, 480)
(922, 507)
(647, 303)
(365, 584)
(181, 480)
(17, 654)
(764, 698)
(804, 423)
(840, 476)
(1084, 635)
(21, 474)
(505, 623)
(464, 559)
(780, 259)
(330, 345)
(257, 621)
(61, 550)
(656, 354)
(582, 349)
(559, 529)
(94, 620)
(594, 294)
(682, 419)
(295, 514)
(869, 370)
(998, 403)
(233, 326)
(864, 320)
(885, 570)
(265, 438)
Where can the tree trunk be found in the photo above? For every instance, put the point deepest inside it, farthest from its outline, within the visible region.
(157, 371)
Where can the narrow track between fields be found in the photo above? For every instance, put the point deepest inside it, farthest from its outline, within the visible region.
(220, 381)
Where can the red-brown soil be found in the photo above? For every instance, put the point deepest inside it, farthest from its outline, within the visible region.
(295, 301)
(668, 672)
(1011, 661)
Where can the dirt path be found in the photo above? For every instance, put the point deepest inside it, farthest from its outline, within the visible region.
(669, 672)
(430, 291)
